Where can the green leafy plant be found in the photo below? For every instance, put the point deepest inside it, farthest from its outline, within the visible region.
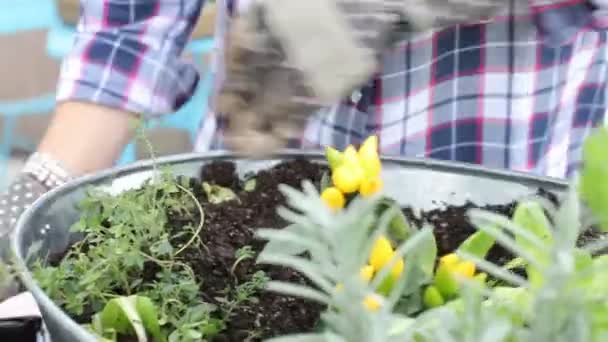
(562, 297)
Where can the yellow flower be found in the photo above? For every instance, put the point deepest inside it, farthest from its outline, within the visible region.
(456, 266)
(381, 253)
(368, 157)
(367, 273)
(372, 302)
(449, 260)
(370, 186)
(334, 198)
(350, 156)
(450, 269)
(465, 269)
(347, 177)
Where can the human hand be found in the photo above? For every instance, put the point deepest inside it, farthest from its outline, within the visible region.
(40, 174)
(287, 59)
(21, 193)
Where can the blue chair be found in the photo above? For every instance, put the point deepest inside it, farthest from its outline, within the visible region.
(19, 16)
(187, 118)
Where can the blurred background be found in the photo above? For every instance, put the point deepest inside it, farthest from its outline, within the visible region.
(34, 34)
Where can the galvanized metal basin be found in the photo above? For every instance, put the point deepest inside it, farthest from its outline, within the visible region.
(420, 184)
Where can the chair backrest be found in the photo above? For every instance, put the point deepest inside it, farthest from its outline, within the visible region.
(27, 15)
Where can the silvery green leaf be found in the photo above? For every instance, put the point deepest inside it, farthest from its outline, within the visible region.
(487, 222)
(309, 269)
(400, 324)
(567, 220)
(289, 289)
(496, 330)
(289, 241)
(299, 338)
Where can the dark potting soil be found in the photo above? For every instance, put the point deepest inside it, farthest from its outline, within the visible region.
(231, 225)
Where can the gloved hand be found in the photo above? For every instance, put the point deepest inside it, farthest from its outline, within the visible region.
(40, 174)
(287, 59)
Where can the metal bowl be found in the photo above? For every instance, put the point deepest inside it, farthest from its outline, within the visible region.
(417, 183)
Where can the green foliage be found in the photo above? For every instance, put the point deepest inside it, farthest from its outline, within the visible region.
(124, 237)
(129, 315)
(562, 299)
(218, 194)
(593, 186)
(129, 258)
(338, 245)
(478, 244)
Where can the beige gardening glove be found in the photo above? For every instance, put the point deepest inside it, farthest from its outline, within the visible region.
(286, 59)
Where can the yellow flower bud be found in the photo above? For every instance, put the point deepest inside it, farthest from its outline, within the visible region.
(368, 157)
(370, 186)
(350, 156)
(449, 260)
(367, 273)
(465, 269)
(381, 253)
(347, 177)
(334, 198)
(432, 297)
(372, 302)
(334, 157)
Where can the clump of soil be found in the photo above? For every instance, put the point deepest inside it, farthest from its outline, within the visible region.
(230, 226)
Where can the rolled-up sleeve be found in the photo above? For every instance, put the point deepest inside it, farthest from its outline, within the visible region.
(126, 55)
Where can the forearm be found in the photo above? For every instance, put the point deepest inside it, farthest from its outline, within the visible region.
(87, 137)
(125, 63)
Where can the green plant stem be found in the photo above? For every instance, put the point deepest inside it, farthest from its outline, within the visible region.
(200, 224)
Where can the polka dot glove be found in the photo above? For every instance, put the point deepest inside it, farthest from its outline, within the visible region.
(40, 174)
(287, 59)
(18, 197)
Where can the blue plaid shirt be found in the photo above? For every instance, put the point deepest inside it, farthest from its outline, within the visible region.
(519, 91)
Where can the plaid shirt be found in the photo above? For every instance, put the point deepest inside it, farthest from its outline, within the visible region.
(519, 92)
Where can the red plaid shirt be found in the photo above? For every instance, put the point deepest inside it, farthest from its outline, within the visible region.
(518, 92)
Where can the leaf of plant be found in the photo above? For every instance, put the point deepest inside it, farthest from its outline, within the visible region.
(163, 247)
(133, 314)
(425, 254)
(149, 317)
(285, 246)
(325, 181)
(218, 194)
(250, 185)
(121, 315)
(478, 244)
(593, 188)
(530, 216)
(299, 338)
(399, 228)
